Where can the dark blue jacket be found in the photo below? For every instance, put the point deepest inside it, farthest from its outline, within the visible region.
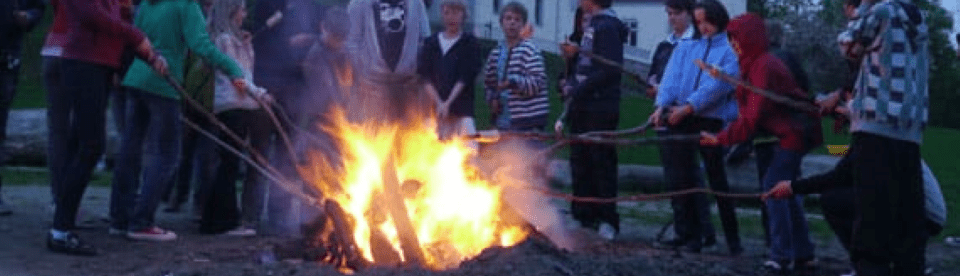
(597, 86)
(461, 63)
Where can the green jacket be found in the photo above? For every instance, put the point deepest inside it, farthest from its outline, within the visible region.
(174, 26)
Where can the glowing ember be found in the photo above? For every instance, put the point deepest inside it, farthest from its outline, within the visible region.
(454, 211)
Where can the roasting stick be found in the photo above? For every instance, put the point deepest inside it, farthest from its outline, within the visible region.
(777, 98)
(280, 129)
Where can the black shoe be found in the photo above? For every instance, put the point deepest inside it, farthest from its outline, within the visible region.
(675, 243)
(71, 245)
(808, 263)
(736, 250)
(173, 208)
(709, 241)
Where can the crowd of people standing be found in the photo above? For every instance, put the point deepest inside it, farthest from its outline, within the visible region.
(378, 60)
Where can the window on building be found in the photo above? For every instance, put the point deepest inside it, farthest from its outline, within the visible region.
(538, 12)
(496, 6)
(634, 26)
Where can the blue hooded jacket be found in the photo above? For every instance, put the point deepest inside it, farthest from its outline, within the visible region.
(684, 83)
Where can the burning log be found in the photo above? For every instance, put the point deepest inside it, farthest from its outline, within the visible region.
(412, 253)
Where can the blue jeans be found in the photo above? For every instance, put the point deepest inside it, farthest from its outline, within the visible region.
(84, 102)
(151, 142)
(789, 234)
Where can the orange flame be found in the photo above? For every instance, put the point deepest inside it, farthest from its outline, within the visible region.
(455, 212)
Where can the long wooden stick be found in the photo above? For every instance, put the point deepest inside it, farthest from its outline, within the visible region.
(280, 130)
(262, 168)
(619, 66)
(775, 97)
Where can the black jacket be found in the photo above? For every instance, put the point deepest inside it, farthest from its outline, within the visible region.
(660, 58)
(600, 90)
(461, 63)
(11, 33)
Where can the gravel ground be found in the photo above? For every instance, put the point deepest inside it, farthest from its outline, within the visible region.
(634, 252)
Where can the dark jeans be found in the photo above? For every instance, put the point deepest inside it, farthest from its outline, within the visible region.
(594, 170)
(789, 233)
(692, 212)
(8, 89)
(58, 123)
(890, 228)
(764, 152)
(195, 163)
(84, 102)
(151, 143)
(220, 212)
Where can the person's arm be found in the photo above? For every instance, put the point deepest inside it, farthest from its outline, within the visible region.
(751, 111)
(198, 40)
(713, 90)
(357, 9)
(93, 16)
(469, 68)
(672, 74)
(861, 31)
(533, 80)
(840, 176)
(425, 66)
(606, 44)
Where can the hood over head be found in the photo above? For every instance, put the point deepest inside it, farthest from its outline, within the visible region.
(749, 32)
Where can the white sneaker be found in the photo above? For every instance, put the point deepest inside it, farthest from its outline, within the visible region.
(851, 273)
(152, 234)
(607, 232)
(241, 232)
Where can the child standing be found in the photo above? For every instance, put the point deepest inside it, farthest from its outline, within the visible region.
(151, 138)
(244, 116)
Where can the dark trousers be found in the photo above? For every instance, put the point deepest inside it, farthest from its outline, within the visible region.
(789, 232)
(58, 123)
(594, 170)
(195, 163)
(692, 212)
(840, 212)
(150, 145)
(8, 89)
(84, 98)
(888, 193)
(220, 212)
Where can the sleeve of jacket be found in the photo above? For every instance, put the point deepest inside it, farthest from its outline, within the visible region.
(608, 44)
(198, 40)
(471, 62)
(750, 113)
(425, 68)
(490, 76)
(533, 80)
(672, 74)
(863, 30)
(92, 15)
(840, 176)
(712, 90)
(357, 11)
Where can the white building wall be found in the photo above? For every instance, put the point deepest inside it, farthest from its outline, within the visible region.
(557, 17)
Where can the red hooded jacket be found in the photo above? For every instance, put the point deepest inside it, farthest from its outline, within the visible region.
(798, 131)
(96, 31)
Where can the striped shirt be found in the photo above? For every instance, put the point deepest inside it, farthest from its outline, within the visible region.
(526, 104)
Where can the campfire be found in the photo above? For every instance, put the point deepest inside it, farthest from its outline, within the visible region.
(398, 195)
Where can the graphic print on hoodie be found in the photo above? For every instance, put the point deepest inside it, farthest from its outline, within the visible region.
(391, 29)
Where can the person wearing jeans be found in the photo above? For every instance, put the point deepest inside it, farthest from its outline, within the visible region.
(798, 132)
(689, 101)
(152, 138)
(91, 53)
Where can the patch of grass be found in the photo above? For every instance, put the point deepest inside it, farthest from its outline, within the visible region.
(29, 176)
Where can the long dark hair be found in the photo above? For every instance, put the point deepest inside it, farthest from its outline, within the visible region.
(716, 13)
(577, 34)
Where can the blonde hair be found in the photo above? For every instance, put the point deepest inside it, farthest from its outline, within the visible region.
(221, 17)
